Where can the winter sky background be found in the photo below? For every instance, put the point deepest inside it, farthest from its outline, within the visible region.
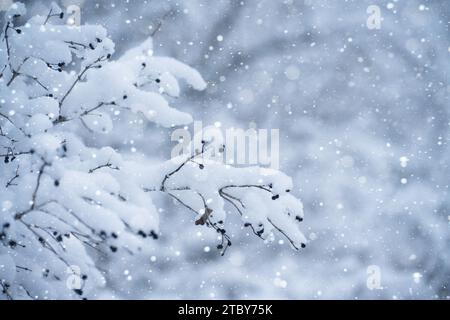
(364, 124)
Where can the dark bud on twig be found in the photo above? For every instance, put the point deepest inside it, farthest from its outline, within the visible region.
(91, 46)
(299, 219)
(56, 183)
(201, 166)
(153, 235)
(61, 15)
(142, 234)
(103, 234)
(113, 248)
(78, 291)
(275, 197)
(18, 31)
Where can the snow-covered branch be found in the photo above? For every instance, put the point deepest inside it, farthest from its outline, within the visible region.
(65, 202)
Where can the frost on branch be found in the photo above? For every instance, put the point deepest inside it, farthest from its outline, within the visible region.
(66, 204)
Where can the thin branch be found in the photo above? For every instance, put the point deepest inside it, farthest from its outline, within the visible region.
(16, 73)
(1, 73)
(8, 49)
(38, 184)
(19, 215)
(5, 290)
(154, 189)
(51, 14)
(167, 176)
(74, 43)
(106, 165)
(182, 203)
(101, 104)
(160, 22)
(10, 121)
(284, 234)
(11, 181)
(78, 78)
(43, 242)
(262, 187)
(23, 268)
(48, 16)
(83, 114)
(14, 154)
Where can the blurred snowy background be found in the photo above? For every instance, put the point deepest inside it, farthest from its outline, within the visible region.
(364, 123)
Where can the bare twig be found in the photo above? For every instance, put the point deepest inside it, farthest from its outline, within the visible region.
(160, 22)
(11, 181)
(48, 16)
(78, 78)
(5, 289)
(106, 165)
(14, 154)
(51, 14)
(167, 176)
(10, 121)
(38, 184)
(284, 234)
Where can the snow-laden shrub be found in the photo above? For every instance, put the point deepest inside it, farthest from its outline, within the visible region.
(66, 199)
